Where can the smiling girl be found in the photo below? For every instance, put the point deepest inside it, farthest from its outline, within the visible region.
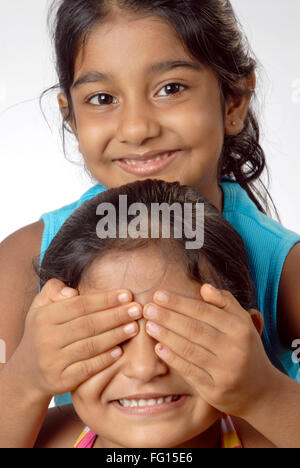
(192, 357)
(149, 90)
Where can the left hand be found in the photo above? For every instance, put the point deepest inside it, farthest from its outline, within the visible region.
(214, 345)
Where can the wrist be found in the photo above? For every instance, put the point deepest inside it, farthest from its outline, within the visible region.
(23, 409)
(21, 386)
(276, 415)
(264, 403)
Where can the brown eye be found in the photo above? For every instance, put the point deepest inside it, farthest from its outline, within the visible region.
(172, 88)
(102, 99)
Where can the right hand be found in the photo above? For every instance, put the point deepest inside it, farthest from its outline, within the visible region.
(68, 340)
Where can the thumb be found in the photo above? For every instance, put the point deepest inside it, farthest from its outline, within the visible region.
(221, 298)
(213, 296)
(53, 291)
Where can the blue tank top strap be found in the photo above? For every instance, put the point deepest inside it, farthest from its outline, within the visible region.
(54, 220)
(267, 243)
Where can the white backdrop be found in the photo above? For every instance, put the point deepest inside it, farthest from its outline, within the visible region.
(34, 174)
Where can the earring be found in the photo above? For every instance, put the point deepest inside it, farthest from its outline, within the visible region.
(233, 123)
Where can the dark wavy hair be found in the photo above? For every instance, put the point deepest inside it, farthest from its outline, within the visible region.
(222, 261)
(211, 32)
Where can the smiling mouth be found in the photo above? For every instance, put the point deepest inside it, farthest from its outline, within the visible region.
(147, 165)
(150, 407)
(149, 160)
(142, 402)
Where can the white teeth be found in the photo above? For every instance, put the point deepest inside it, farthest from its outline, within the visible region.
(132, 162)
(151, 402)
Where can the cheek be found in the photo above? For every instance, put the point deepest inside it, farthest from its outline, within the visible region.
(92, 132)
(199, 125)
(91, 139)
(86, 398)
(91, 390)
(207, 125)
(202, 418)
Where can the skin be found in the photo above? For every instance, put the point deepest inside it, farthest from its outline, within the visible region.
(66, 340)
(196, 324)
(140, 116)
(140, 123)
(140, 369)
(139, 120)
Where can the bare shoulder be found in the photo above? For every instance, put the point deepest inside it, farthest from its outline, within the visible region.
(31, 234)
(61, 428)
(289, 298)
(18, 281)
(249, 436)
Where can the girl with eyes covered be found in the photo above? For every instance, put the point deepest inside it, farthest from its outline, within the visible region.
(193, 356)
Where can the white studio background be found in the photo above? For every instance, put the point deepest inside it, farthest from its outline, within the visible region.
(35, 177)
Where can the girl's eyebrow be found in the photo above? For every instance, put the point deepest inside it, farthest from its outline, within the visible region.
(96, 76)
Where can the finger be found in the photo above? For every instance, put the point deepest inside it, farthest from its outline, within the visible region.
(194, 375)
(194, 308)
(187, 350)
(96, 345)
(223, 300)
(81, 371)
(83, 305)
(53, 291)
(194, 330)
(95, 324)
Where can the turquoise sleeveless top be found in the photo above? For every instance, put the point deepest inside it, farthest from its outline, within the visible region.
(267, 243)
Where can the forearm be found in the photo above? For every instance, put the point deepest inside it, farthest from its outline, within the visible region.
(22, 411)
(277, 414)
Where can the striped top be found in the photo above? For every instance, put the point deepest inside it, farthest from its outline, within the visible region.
(229, 435)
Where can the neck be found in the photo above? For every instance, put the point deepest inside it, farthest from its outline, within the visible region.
(213, 193)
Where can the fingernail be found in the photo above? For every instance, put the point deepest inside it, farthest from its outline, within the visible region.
(151, 311)
(161, 296)
(130, 329)
(67, 292)
(124, 297)
(134, 311)
(160, 349)
(153, 327)
(116, 353)
(213, 288)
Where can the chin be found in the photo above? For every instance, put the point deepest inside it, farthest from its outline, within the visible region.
(141, 438)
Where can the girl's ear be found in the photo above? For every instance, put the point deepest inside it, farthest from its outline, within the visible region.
(64, 109)
(236, 108)
(257, 320)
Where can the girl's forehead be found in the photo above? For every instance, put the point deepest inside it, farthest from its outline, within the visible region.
(142, 271)
(134, 38)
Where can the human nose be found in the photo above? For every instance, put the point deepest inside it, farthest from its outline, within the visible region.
(140, 360)
(137, 124)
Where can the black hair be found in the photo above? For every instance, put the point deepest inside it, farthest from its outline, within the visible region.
(221, 261)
